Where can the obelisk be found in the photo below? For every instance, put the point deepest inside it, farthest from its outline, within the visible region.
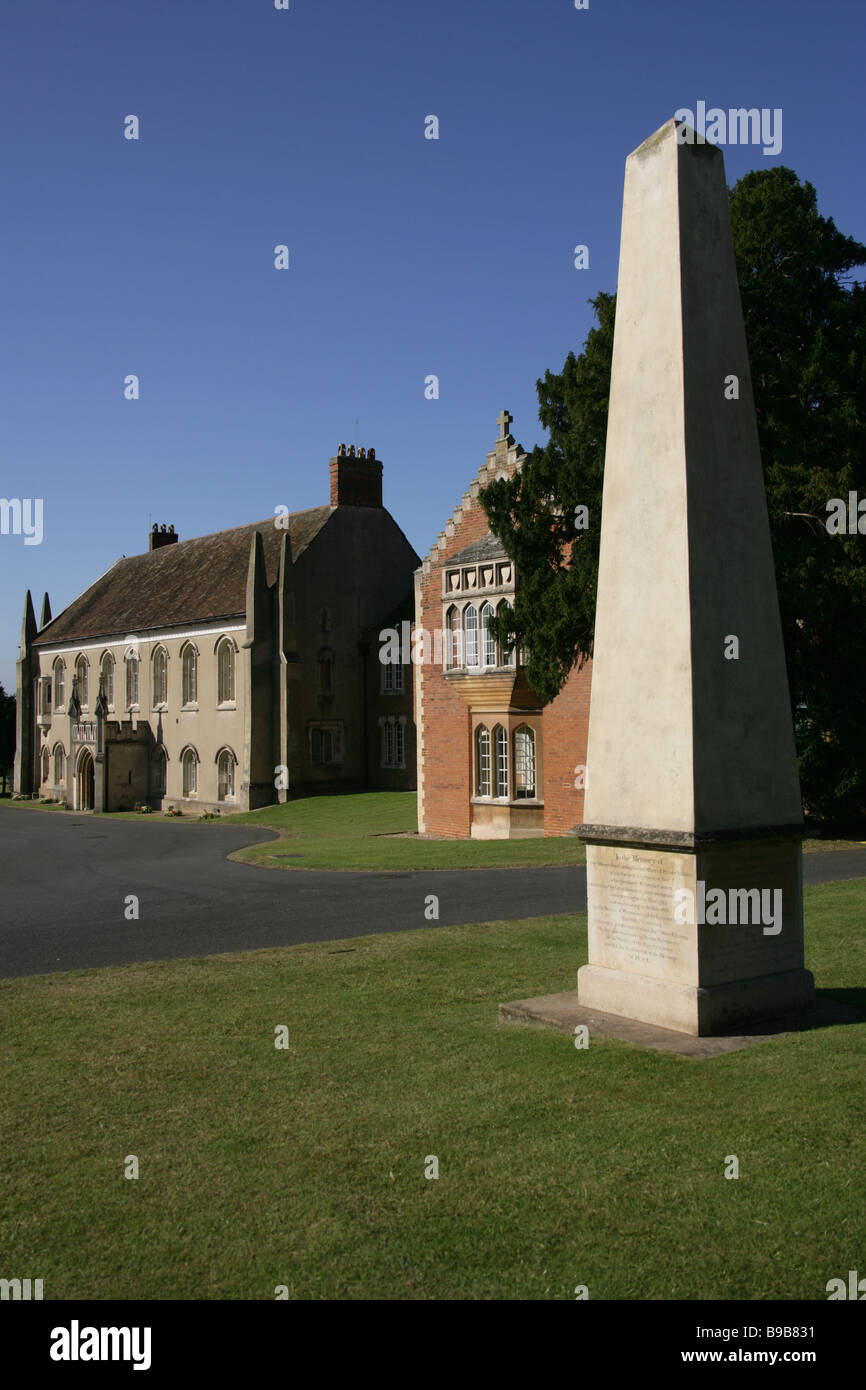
(693, 817)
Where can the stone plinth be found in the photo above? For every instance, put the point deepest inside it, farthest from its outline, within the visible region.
(651, 959)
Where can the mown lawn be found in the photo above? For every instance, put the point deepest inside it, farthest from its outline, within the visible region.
(378, 830)
(305, 1167)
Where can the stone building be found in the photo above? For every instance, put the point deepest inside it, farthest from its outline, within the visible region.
(493, 763)
(231, 670)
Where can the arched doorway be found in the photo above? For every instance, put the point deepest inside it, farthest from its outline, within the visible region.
(84, 781)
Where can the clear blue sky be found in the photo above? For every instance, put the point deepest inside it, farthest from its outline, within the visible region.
(407, 256)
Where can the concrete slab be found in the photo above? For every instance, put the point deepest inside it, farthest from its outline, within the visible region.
(562, 1011)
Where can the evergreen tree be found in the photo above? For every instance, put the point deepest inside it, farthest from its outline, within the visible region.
(805, 325)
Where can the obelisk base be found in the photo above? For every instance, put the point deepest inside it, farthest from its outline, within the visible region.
(700, 937)
(703, 1011)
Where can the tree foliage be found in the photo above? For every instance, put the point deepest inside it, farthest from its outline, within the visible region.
(805, 320)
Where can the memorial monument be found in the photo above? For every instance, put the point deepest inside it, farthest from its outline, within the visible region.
(692, 815)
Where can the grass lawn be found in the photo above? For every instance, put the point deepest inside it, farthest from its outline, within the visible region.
(305, 1167)
(355, 832)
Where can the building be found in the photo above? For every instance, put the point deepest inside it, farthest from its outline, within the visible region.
(493, 763)
(231, 670)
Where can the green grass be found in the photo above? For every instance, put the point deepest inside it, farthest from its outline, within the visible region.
(353, 832)
(366, 830)
(305, 1167)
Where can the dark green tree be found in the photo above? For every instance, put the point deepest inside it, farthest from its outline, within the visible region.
(7, 735)
(805, 321)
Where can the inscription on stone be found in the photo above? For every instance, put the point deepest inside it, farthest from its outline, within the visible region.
(631, 910)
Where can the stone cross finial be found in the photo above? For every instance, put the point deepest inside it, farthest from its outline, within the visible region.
(503, 420)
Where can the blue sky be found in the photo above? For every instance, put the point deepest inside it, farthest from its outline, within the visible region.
(407, 256)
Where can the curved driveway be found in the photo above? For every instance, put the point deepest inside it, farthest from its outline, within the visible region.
(64, 880)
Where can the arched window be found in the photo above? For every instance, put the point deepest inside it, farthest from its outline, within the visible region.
(59, 684)
(454, 638)
(524, 762)
(325, 621)
(132, 682)
(482, 761)
(190, 674)
(326, 672)
(500, 745)
(59, 765)
(226, 775)
(108, 679)
(503, 609)
(81, 673)
(189, 763)
(46, 765)
(470, 628)
(225, 672)
(488, 639)
(160, 677)
(159, 767)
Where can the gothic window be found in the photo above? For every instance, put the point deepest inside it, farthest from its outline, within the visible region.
(108, 679)
(326, 673)
(482, 761)
(325, 748)
(454, 637)
(160, 677)
(470, 627)
(503, 609)
(45, 705)
(489, 642)
(399, 743)
(189, 674)
(524, 763)
(46, 765)
(132, 683)
(225, 672)
(389, 743)
(189, 764)
(159, 772)
(59, 765)
(500, 743)
(81, 673)
(392, 678)
(59, 684)
(226, 775)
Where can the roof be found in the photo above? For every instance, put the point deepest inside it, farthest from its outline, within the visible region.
(489, 547)
(190, 581)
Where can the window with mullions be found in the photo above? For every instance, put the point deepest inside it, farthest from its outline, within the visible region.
(524, 763)
(482, 761)
(500, 744)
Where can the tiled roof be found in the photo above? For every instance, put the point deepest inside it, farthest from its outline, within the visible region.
(487, 547)
(186, 582)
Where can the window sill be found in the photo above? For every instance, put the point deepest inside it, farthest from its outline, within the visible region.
(190, 708)
(228, 705)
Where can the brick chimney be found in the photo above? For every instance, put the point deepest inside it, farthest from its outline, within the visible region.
(356, 481)
(159, 536)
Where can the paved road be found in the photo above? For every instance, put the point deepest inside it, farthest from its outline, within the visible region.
(64, 879)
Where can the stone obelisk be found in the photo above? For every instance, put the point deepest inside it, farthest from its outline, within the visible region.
(693, 817)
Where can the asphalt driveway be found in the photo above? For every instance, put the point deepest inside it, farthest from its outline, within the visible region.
(64, 881)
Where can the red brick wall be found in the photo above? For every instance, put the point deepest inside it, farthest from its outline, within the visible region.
(447, 752)
(565, 729)
(447, 725)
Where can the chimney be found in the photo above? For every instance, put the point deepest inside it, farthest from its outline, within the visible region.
(159, 536)
(356, 481)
